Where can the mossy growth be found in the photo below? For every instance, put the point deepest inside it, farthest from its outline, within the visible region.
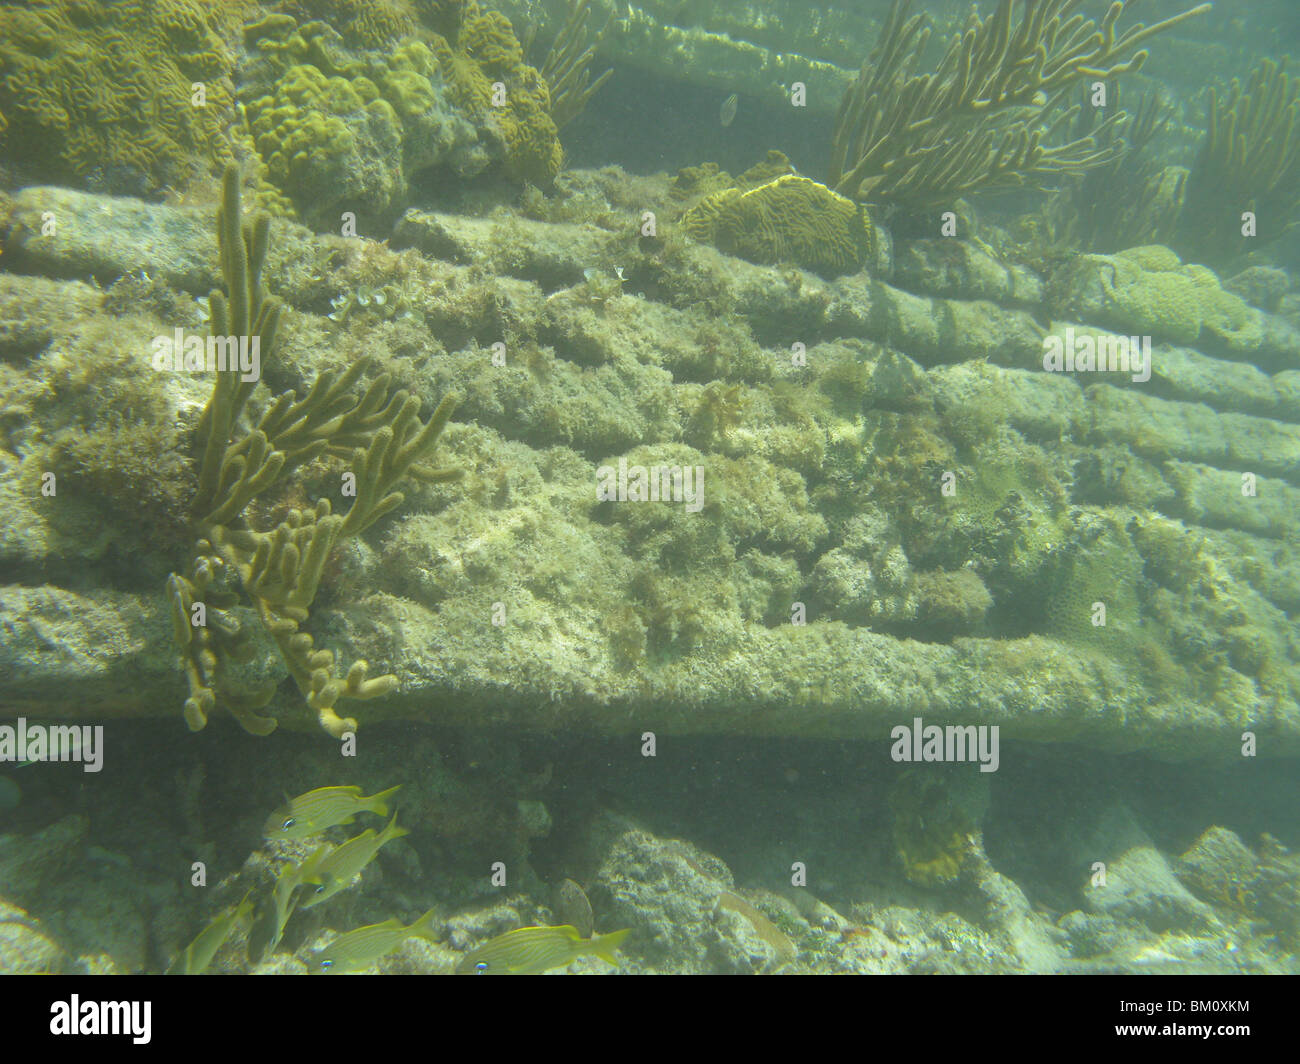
(720, 410)
(1092, 593)
(937, 822)
(127, 96)
(112, 436)
(1228, 639)
(950, 604)
(744, 502)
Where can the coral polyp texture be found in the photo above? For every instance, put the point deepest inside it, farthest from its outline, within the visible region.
(124, 96)
(342, 127)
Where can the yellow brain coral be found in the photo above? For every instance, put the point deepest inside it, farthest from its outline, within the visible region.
(789, 219)
(107, 92)
(362, 23)
(486, 75)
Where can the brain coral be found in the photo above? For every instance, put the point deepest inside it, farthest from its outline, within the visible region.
(1148, 290)
(324, 138)
(362, 23)
(789, 219)
(486, 53)
(99, 92)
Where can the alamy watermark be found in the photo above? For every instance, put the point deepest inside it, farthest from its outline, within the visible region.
(656, 483)
(24, 743)
(954, 742)
(195, 353)
(77, 1017)
(1087, 352)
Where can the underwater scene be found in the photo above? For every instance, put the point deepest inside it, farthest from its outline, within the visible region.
(669, 487)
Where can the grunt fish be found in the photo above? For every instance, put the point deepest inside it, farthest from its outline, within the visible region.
(313, 812)
(195, 958)
(533, 950)
(268, 926)
(336, 871)
(359, 949)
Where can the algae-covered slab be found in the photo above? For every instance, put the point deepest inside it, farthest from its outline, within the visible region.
(815, 580)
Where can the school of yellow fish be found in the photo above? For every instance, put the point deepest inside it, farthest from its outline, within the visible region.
(329, 869)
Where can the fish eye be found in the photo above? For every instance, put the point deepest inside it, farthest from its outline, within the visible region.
(480, 968)
(288, 824)
(326, 964)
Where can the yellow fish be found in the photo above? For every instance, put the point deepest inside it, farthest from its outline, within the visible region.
(533, 950)
(268, 926)
(337, 870)
(360, 948)
(195, 958)
(313, 812)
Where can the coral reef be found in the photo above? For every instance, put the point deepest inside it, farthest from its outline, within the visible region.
(341, 128)
(341, 132)
(824, 483)
(370, 24)
(483, 54)
(1149, 291)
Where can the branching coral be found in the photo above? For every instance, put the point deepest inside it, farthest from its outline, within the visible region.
(279, 572)
(978, 121)
(1131, 200)
(566, 66)
(1250, 160)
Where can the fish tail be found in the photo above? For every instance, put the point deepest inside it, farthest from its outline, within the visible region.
(378, 803)
(424, 926)
(392, 832)
(603, 946)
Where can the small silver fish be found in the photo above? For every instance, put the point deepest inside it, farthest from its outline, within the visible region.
(572, 907)
(729, 106)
